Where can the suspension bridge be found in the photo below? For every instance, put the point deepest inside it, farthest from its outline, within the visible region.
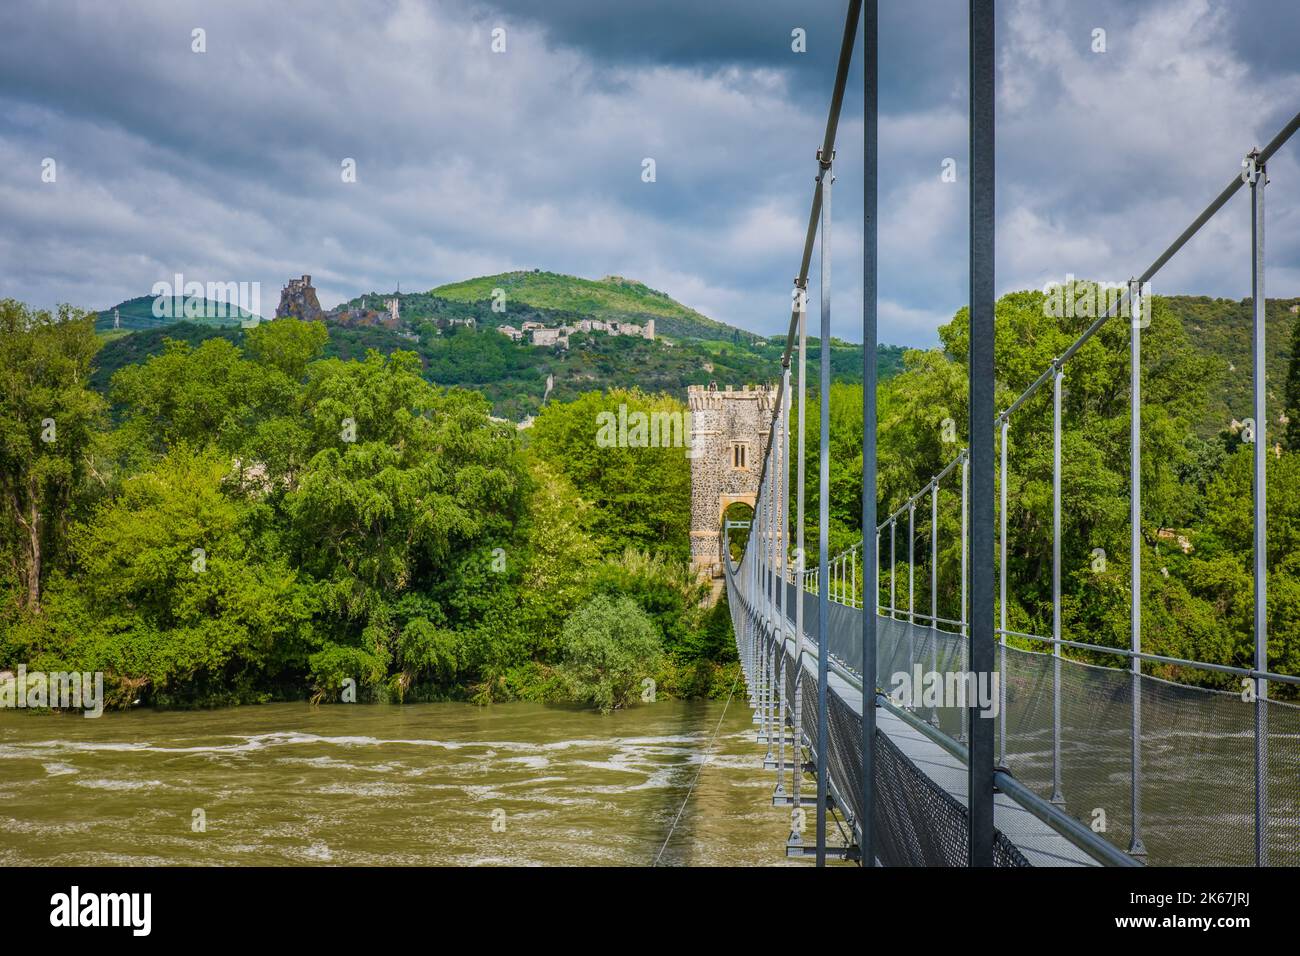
(1004, 750)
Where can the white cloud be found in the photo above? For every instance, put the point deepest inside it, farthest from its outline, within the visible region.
(226, 165)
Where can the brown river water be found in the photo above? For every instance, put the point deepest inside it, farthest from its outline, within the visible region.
(421, 784)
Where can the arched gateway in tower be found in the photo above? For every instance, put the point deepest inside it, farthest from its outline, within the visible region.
(729, 434)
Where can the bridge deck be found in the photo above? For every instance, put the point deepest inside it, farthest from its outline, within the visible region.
(1040, 844)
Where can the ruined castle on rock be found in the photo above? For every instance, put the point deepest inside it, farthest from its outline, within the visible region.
(298, 300)
(729, 434)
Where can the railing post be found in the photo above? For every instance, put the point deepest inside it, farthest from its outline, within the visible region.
(1057, 798)
(1257, 176)
(1136, 305)
(934, 588)
(754, 594)
(980, 369)
(760, 662)
(783, 549)
(853, 578)
(1002, 600)
(893, 566)
(963, 615)
(911, 583)
(750, 549)
(911, 562)
(875, 580)
(755, 542)
(768, 593)
(823, 510)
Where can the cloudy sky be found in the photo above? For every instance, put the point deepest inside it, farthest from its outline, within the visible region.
(226, 165)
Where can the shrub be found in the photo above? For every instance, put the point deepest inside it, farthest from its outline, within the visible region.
(609, 646)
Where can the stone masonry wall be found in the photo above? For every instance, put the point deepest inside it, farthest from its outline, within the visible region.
(719, 419)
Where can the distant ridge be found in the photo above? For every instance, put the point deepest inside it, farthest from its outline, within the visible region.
(137, 314)
(613, 297)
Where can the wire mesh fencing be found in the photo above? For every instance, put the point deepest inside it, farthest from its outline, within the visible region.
(1196, 749)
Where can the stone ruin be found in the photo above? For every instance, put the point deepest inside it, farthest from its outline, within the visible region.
(298, 301)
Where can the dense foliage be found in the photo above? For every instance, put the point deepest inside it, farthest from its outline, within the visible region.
(236, 515)
(512, 375)
(607, 645)
(1196, 490)
(246, 520)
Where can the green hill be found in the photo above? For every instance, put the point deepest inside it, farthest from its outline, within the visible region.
(512, 375)
(613, 297)
(139, 313)
(1221, 329)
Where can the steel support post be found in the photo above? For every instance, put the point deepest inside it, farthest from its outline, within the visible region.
(981, 372)
(1002, 596)
(870, 86)
(823, 510)
(800, 562)
(1258, 179)
(1136, 306)
(1057, 379)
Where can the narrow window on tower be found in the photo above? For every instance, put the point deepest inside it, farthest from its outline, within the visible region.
(739, 456)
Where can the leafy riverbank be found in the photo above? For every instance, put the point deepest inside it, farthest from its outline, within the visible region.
(254, 522)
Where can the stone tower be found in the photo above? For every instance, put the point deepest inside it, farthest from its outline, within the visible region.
(729, 433)
(298, 300)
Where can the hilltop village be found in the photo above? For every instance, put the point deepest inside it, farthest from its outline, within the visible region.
(298, 300)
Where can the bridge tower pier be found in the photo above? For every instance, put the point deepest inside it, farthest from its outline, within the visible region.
(730, 428)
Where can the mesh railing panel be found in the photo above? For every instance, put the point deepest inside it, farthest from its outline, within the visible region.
(1197, 753)
(917, 823)
(808, 688)
(844, 756)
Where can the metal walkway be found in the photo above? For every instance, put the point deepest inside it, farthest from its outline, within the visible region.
(1040, 844)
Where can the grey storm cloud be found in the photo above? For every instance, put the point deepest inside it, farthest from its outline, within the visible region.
(225, 165)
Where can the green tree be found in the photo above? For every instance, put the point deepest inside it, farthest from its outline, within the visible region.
(407, 492)
(48, 423)
(209, 394)
(642, 495)
(610, 646)
(286, 344)
(1291, 435)
(168, 588)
